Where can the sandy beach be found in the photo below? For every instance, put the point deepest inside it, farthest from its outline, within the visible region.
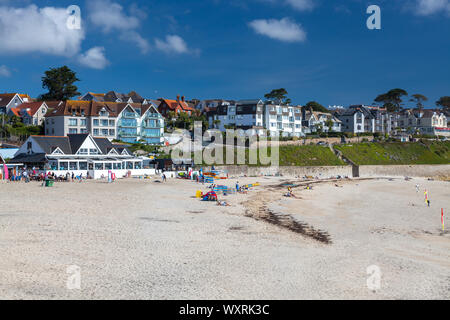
(140, 239)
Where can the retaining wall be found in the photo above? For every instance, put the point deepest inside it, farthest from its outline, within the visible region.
(405, 170)
(332, 171)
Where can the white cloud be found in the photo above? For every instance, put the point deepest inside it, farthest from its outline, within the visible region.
(33, 29)
(283, 30)
(301, 5)
(4, 71)
(110, 16)
(429, 7)
(137, 39)
(94, 58)
(172, 44)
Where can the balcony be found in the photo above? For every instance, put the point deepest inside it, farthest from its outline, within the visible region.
(127, 124)
(149, 126)
(150, 135)
(153, 116)
(127, 134)
(129, 115)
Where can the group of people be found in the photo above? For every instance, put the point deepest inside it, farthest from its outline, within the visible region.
(28, 175)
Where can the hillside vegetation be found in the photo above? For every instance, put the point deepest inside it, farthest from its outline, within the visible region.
(426, 152)
(308, 156)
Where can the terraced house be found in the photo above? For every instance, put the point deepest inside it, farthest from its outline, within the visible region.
(128, 122)
(428, 121)
(258, 116)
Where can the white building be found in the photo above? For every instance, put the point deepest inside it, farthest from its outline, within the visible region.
(258, 116)
(79, 154)
(128, 122)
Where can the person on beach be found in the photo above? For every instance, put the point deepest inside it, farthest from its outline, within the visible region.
(417, 188)
(237, 186)
(164, 178)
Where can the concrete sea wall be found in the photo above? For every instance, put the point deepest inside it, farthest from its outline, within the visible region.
(364, 171)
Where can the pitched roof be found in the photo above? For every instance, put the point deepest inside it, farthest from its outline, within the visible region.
(5, 98)
(50, 143)
(30, 107)
(174, 104)
(15, 111)
(76, 140)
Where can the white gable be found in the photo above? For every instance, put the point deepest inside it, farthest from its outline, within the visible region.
(89, 143)
(57, 151)
(30, 146)
(113, 151)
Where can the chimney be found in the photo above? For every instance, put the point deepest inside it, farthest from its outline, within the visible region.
(182, 98)
(178, 97)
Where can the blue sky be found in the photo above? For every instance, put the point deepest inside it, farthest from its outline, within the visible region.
(317, 49)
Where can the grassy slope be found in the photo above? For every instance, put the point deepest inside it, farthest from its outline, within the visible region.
(308, 156)
(397, 153)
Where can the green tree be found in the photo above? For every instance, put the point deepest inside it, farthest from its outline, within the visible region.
(444, 103)
(315, 106)
(392, 100)
(419, 99)
(279, 96)
(60, 84)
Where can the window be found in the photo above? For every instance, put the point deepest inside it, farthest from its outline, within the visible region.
(104, 123)
(83, 165)
(73, 131)
(93, 151)
(73, 166)
(83, 122)
(83, 151)
(63, 166)
(108, 166)
(73, 122)
(98, 166)
(112, 132)
(95, 122)
(117, 166)
(111, 123)
(84, 130)
(104, 132)
(95, 132)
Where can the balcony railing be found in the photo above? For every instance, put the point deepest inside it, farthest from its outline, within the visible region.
(154, 116)
(129, 115)
(149, 126)
(127, 134)
(150, 135)
(127, 124)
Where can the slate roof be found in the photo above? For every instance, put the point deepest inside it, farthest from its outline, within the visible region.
(76, 140)
(5, 98)
(26, 158)
(49, 144)
(28, 107)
